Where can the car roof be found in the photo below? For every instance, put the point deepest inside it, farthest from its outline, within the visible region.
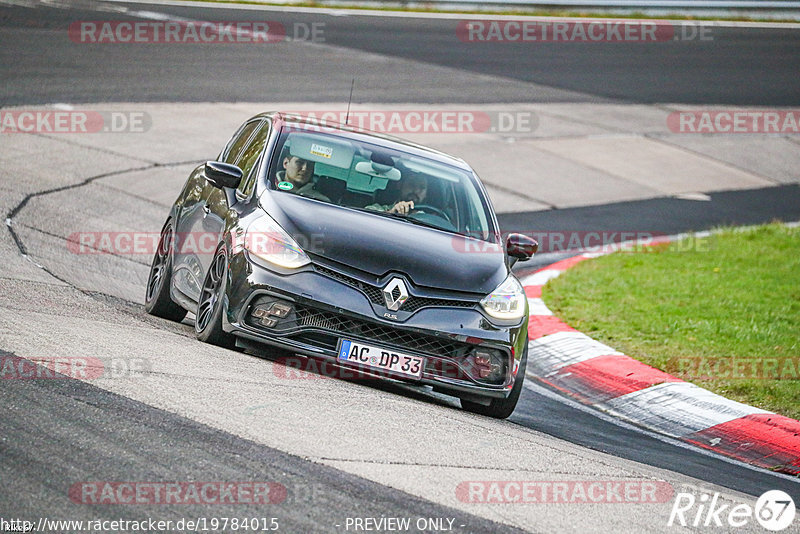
(362, 134)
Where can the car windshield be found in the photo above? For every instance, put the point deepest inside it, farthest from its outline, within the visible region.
(380, 181)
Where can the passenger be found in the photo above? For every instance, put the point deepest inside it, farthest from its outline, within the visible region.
(298, 172)
(413, 189)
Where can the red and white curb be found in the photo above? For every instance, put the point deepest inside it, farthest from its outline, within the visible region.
(599, 376)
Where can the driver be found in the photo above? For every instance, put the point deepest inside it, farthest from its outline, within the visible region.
(413, 189)
(298, 172)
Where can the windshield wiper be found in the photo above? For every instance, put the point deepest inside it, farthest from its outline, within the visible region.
(410, 219)
(422, 223)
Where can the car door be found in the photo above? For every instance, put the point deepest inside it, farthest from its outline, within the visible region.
(217, 208)
(197, 236)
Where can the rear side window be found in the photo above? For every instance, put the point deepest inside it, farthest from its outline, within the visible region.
(238, 141)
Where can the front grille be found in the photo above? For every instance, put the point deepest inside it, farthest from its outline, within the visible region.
(446, 357)
(375, 294)
(311, 317)
(415, 303)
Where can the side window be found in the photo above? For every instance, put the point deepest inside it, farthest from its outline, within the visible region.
(250, 157)
(238, 141)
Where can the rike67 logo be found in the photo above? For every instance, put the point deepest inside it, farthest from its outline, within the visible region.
(774, 511)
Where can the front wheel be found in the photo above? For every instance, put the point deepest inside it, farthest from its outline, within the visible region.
(157, 300)
(501, 408)
(208, 319)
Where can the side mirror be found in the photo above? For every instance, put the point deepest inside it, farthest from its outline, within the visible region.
(521, 247)
(222, 175)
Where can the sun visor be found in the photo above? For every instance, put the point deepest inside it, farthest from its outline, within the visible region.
(321, 149)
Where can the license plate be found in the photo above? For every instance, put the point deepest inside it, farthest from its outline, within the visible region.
(380, 358)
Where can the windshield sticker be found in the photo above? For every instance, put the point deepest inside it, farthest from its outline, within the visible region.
(285, 185)
(323, 151)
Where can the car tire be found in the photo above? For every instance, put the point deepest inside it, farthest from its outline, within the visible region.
(208, 318)
(501, 408)
(157, 300)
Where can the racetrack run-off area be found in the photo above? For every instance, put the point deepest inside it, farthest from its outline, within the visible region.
(89, 305)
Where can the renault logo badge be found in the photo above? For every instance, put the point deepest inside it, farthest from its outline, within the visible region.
(395, 294)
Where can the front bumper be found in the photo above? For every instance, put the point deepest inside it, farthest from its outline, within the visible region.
(328, 306)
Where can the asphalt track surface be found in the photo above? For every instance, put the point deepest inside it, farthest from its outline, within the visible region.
(57, 429)
(738, 66)
(667, 216)
(53, 430)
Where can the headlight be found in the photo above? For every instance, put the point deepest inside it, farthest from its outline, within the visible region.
(507, 301)
(266, 240)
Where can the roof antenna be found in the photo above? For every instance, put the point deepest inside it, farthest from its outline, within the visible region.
(347, 117)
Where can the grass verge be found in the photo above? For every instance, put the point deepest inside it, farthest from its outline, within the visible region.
(722, 312)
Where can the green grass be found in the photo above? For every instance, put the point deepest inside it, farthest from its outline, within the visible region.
(694, 308)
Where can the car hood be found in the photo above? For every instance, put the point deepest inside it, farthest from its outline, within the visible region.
(378, 245)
